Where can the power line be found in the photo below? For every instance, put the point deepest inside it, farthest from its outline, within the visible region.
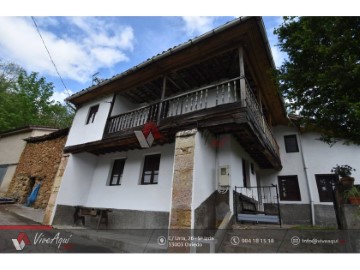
(57, 71)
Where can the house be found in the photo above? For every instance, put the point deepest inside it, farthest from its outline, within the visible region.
(12, 145)
(38, 163)
(175, 141)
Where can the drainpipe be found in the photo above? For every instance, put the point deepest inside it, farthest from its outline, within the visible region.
(307, 181)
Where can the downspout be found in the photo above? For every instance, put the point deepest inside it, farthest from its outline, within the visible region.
(307, 181)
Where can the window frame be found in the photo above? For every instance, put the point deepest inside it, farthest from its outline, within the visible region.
(120, 169)
(295, 197)
(147, 159)
(287, 147)
(93, 110)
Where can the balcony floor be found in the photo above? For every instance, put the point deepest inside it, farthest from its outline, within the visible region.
(224, 119)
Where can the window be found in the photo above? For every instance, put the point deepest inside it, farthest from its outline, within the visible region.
(92, 113)
(289, 188)
(325, 184)
(291, 144)
(150, 173)
(117, 172)
(246, 175)
(3, 169)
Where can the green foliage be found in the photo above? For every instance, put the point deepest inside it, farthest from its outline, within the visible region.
(353, 192)
(321, 77)
(26, 99)
(343, 170)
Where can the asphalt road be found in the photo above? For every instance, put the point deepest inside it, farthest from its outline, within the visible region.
(42, 241)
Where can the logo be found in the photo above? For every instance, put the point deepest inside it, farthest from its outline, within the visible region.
(148, 135)
(21, 241)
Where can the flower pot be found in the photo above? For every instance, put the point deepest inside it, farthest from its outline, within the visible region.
(354, 200)
(347, 181)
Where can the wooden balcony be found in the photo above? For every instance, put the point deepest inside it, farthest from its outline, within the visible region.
(226, 107)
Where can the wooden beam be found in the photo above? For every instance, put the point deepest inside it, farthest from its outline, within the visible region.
(242, 75)
(174, 83)
(163, 93)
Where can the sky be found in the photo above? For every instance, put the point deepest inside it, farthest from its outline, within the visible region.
(84, 45)
(111, 36)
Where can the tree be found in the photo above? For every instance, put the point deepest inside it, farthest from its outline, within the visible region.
(321, 77)
(26, 99)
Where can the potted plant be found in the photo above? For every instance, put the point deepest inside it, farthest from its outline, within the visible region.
(352, 195)
(344, 171)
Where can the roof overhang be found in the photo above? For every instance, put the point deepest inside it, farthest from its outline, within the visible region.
(247, 32)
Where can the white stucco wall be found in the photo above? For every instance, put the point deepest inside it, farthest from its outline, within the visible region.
(82, 133)
(11, 148)
(4, 185)
(130, 194)
(77, 179)
(320, 158)
(292, 165)
(208, 161)
(205, 169)
(122, 105)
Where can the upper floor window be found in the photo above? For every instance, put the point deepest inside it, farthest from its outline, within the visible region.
(92, 113)
(291, 144)
(117, 172)
(289, 188)
(150, 173)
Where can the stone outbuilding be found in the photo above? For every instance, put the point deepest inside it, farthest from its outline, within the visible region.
(12, 144)
(39, 162)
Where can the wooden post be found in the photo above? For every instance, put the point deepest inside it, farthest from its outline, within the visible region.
(262, 113)
(162, 98)
(242, 77)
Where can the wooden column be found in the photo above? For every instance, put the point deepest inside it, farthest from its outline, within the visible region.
(242, 77)
(162, 98)
(262, 113)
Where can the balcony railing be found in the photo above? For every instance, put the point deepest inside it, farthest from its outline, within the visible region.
(203, 98)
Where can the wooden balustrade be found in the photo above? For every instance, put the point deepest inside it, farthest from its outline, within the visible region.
(225, 92)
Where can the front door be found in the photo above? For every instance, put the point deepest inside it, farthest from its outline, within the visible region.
(325, 184)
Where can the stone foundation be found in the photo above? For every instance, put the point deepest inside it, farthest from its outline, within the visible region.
(325, 215)
(300, 214)
(118, 219)
(295, 214)
(212, 211)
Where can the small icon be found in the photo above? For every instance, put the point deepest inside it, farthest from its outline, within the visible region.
(161, 240)
(295, 240)
(235, 240)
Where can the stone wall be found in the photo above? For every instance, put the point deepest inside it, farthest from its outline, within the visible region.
(38, 162)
